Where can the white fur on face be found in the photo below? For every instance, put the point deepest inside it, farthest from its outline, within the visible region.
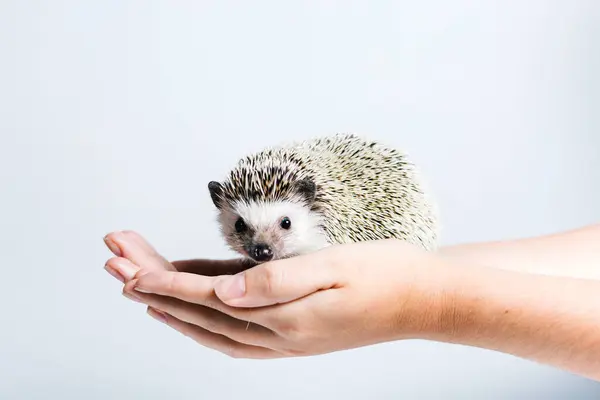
(264, 218)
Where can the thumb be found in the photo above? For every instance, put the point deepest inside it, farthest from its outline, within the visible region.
(276, 282)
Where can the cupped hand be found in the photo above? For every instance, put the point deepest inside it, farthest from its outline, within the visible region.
(342, 297)
(133, 253)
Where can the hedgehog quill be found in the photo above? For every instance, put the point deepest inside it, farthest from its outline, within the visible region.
(299, 198)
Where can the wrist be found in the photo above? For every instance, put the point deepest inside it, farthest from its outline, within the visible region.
(453, 301)
(465, 301)
(428, 308)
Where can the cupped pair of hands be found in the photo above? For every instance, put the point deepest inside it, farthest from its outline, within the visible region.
(342, 297)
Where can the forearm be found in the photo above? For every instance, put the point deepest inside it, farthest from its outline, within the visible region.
(575, 253)
(551, 320)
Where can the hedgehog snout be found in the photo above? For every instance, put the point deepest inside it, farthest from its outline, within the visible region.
(261, 252)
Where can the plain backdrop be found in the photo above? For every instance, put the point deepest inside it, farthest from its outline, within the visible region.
(116, 114)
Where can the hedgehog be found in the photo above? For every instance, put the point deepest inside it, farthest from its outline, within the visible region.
(301, 197)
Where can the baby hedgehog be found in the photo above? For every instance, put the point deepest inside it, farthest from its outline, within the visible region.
(292, 200)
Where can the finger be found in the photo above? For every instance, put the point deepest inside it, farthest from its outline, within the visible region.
(135, 248)
(197, 289)
(276, 282)
(121, 268)
(212, 267)
(207, 318)
(214, 341)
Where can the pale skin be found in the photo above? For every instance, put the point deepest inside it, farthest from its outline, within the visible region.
(536, 298)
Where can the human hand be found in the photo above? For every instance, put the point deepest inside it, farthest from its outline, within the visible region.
(133, 253)
(339, 298)
(360, 294)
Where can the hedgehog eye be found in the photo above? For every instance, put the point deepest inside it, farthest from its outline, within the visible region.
(240, 225)
(286, 223)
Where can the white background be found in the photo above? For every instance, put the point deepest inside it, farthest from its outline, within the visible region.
(116, 114)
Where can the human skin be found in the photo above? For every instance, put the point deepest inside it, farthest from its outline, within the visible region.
(574, 253)
(367, 293)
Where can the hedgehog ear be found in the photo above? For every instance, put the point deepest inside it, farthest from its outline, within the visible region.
(216, 193)
(308, 189)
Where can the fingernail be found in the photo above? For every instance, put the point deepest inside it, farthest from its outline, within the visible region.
(231, 287)
(126, 269)
(116, 250)
(114, 273)
(158, 315)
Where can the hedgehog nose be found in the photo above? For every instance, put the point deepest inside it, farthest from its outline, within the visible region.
(261, 252)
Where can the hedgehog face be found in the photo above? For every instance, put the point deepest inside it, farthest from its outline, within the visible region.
(265, 230)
